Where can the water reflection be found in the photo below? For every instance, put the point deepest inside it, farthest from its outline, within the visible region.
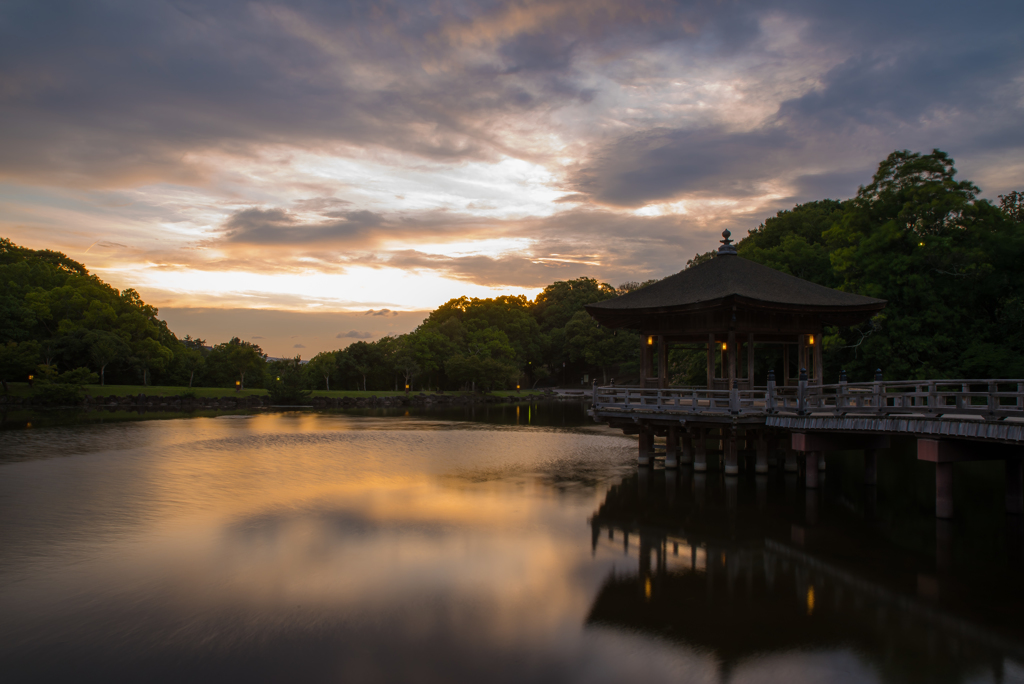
(325, 546)
(759, 572)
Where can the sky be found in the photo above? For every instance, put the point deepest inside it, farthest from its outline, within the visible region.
(287, 171)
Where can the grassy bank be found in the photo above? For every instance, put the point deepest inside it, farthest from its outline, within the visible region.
(21, 389)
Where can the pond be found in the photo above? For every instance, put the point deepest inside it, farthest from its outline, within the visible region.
(501, 547)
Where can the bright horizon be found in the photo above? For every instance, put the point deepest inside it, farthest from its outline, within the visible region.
(287, 174)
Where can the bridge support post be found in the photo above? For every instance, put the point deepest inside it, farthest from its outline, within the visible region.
(944, 490)
(730, 455)
(646, 446)
(672, 447)
(811, 469)
(761, 465)
(700, 452)
(791, 466)
(1014, 485)
(686, 449)
(871, 466)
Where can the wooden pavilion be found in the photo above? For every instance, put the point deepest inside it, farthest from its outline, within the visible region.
(732, 304)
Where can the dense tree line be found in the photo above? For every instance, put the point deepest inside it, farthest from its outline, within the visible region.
(947, 262)
(64, 325)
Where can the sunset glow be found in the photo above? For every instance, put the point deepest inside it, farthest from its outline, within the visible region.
(267, 156)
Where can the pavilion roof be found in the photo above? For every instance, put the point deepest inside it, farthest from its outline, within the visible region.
(730, 276)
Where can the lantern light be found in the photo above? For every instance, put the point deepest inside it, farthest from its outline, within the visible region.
(811, 340)
(723, 346)
(650, 340)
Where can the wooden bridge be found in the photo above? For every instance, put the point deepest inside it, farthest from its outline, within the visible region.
(952, 420)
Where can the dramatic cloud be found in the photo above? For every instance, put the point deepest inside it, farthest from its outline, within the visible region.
(388, 155)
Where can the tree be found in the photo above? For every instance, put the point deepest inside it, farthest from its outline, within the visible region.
(148, 354)
(236, 359)
(192, 361)
(324, 365)
(598, 346)
(17, 359)
(287, 386)
(104, 349)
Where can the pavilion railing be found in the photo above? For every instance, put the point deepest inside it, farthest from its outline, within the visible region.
(987, 398)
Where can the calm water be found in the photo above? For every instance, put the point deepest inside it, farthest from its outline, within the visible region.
(366, 548)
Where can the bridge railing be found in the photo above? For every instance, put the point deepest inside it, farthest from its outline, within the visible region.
(987, 398)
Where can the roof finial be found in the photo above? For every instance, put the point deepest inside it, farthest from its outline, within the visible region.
(727, 246)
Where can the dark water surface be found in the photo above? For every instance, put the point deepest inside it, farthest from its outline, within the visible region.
(518, 546)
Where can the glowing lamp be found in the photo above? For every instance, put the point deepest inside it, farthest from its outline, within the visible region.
(279, 378)
(31, 377)
(723, 346)
(810, 339)
(650, 340)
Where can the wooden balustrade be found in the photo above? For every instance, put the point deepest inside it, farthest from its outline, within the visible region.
(993, 399)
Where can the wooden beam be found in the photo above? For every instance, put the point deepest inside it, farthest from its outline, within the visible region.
(662, 362)
(750, 359)
(819, 371)
(831, 441)
(732, 357)
(711, 360)
(955, 450)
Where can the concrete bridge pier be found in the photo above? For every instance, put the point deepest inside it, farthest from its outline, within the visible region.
(817, 443)
(686, 449)
(791, 466)
(700, 451)
(646, 445)
(812, 458)
(761, 463)
(945, 452)
(871, 466)
(730, 454)
(672, 447)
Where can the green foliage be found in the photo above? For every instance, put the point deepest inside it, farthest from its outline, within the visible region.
(235, 360)
(946, 262)
(324, 365)
(17, 360)
(287, 388)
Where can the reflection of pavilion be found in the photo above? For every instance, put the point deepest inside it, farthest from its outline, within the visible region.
(730, 573)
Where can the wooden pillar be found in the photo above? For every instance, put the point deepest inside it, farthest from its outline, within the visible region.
(785, 364)
(811, 469)
(646, 360)
(732, 357)
(646, 446)
(761, 464)
(1014, 485)
(730, 456)
(700, 451)
(686, 449)
(819, 370)
(871, 466)
(662, 362)
(672, 447)
(791, 466)
(750, 359)
(944, 490)
(711, 361)
(801, 352)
